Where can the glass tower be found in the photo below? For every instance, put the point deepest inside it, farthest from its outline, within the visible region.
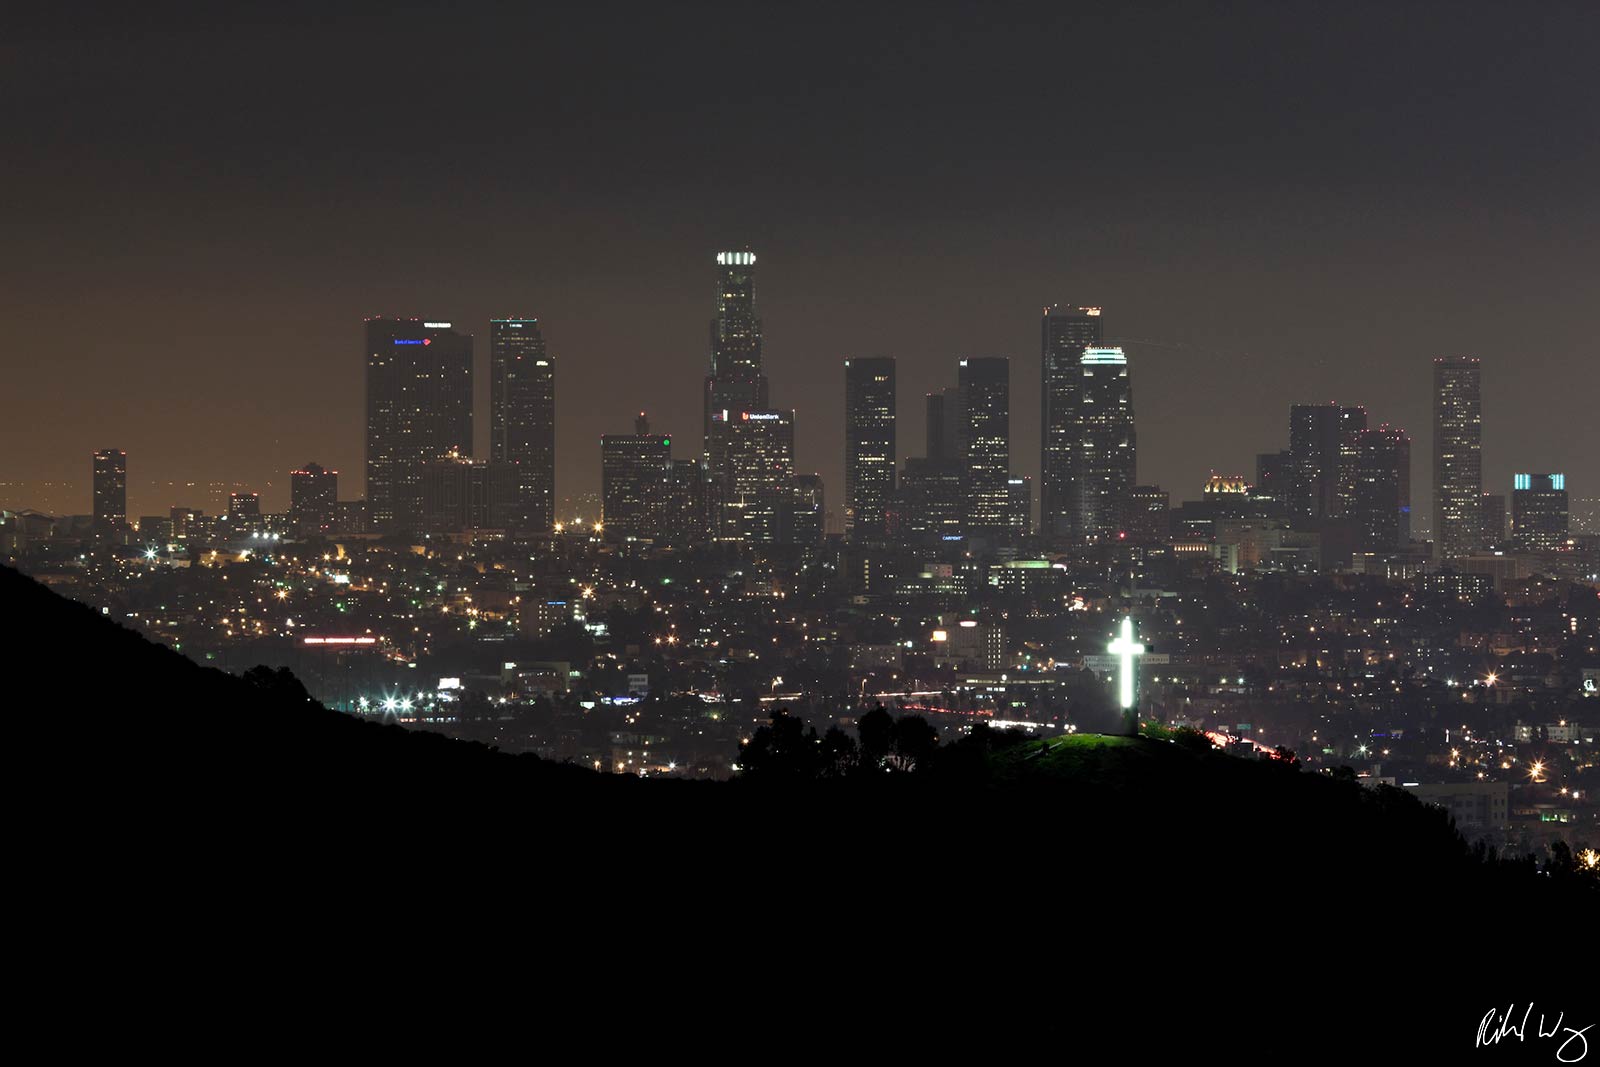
(522, 418)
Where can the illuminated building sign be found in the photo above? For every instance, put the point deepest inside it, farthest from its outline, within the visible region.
(424, 341)
(437, 325)
(762, 416)
(341, 640)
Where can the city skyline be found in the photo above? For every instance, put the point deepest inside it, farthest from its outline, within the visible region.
(1310, 247)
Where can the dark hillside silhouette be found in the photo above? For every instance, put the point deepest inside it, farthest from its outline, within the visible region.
(146, 763)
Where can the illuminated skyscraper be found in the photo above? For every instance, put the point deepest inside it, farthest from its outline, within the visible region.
(985, 390)
(869, 444)
(1539, 511)
(635, 482)
(419, 409)
(522, 418)
(1106, 464)
(1457, 456)
(313, 499)
(1352, 424)
(110, 492)
(735, 383)
(1065, 333)
(760, 453)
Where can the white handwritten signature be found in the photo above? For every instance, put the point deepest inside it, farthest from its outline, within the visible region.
(1491, 1034)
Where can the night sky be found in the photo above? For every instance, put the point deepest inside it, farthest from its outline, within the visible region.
(1275, 204)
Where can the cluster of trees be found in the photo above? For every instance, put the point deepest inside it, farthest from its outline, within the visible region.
(788, 748)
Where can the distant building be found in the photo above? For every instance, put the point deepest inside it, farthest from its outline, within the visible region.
(946, 430)
(110, 493)
(1020, 494)
(1107, 456)
(985, 385)
(522, 418)
(1321, 453)
(1064, 334)
(1457, 456)
(1380, 506)
(735, 383)
(1539, 513)
(1148, 515)
(1494, 519)
(931, 500)
(313, 499)
(244, 508)
(760, 456)
(635, 479)
(1480, 809)
(808, 511)
(466, 494)
(419, 409)
(1274, 475)
(869, 444)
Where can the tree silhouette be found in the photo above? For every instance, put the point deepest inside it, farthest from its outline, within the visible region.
(785, 748)
(914, 741)
(876, 730)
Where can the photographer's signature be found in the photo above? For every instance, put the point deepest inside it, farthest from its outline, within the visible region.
(1497, 1027)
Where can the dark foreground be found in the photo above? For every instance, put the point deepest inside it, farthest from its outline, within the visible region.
(1135, 898)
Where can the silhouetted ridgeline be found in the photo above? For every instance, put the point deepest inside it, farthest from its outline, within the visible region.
(194, 800)
(140, 723)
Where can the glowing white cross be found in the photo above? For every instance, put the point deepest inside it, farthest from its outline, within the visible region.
(1126, 648)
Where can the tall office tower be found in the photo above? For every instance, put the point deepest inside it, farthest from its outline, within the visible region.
(244, 507)
(735, 383)
(869, 444)
(1020, 495)
(946, 430)
(933, 447)
(110, 492)
(985, 391)
(1064, 335)
(460, 493)
(635, 482)
(1539, 511)
(686, 518)
(1106, 465)
(1494, 519)
(419, 409)
(808, 511)
(1457, 456)
(930, 504)
(1352, 424)
(1148, 514)
(522, 418)
(1315, 441)
(1272, 474)
(1380, 501)
(313, 498)
(760, 456)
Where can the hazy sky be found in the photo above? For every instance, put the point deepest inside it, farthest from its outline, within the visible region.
(1275, 204)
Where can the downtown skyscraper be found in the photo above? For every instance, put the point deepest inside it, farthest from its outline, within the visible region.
(419, 410)
(869, 444)
(735, 383)
(1064, 334)
(984, 385)
(1106, 465)
(522, 419)
(1457, 456)
(635, 482)
(110, 492)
